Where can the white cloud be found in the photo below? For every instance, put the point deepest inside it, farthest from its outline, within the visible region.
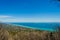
(4, 16)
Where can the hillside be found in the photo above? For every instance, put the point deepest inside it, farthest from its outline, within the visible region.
(12, 32)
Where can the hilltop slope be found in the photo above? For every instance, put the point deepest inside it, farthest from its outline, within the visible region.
(12, 32)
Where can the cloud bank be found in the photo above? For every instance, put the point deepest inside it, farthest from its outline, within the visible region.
(6, 18)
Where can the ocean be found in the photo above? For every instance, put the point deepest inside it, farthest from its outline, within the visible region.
(39, 26)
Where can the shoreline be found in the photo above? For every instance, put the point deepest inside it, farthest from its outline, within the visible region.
(34, 28)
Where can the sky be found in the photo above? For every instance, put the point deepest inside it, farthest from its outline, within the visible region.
(29, 11)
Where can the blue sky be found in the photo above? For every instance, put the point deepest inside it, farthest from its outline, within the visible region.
(29, 11)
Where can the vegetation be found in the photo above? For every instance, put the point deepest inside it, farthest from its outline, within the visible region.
(10, 32)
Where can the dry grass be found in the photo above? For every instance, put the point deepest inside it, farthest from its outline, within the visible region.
(19, 33)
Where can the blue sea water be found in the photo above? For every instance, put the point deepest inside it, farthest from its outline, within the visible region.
(40, 26)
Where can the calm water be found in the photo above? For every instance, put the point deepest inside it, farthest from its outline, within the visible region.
(40, 26)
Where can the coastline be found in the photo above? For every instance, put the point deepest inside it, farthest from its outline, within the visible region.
(44, 29)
